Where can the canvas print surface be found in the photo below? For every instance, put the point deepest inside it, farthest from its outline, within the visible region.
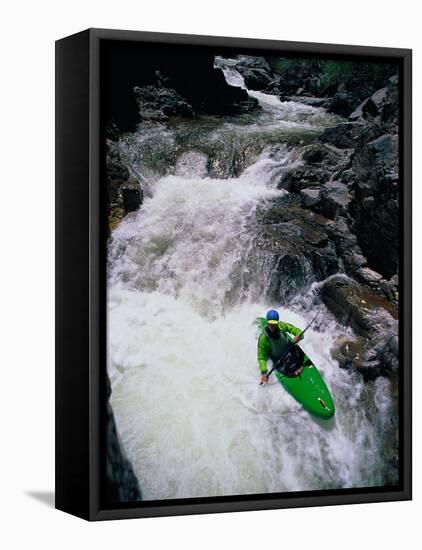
(252, 272)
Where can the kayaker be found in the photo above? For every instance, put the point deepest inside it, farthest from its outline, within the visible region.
(273, 341)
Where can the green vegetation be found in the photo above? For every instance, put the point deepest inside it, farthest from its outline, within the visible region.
(333, 73)
(282, 65)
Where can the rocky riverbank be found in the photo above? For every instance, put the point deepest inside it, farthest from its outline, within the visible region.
(121, 482)
(351, 180)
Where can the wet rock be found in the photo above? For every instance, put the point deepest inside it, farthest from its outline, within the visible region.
(390, 109)
(326, 205)
(121, 482)
(310, 197)
(343, 103)
(296, 74)
(112, 132)
(159, 104)
(351, 93)
(390, 291)
(295, 266)
(369, 276)
(325, 261)
(132, 196)
(312, 84)
(375, 207)
(320, 153)
(303, 177)
(355, 263)
(372, 106)
(338, 192)
(115, 216)
(369, 132)
(345, 351)
(280, 212)
(374, 281)
(343, 135)
(381, 108)
(227, 159)
(307, 100)
(116, 172)
(377, 160)
(124, 193)
(364, 311)
(371, 357)
(256, 72)
(296, 245)
(313, 234)
(328, 200)
(394, 281)
(347, 176)
(346, 243)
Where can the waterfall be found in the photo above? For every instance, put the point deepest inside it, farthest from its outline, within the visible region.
(185, 283)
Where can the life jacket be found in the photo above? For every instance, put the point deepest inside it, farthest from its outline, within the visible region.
(279, 343)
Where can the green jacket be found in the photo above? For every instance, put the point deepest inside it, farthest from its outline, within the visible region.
(274, 348)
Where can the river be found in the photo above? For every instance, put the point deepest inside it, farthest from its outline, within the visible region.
(185, 283)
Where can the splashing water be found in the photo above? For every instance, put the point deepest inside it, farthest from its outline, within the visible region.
(185, 283)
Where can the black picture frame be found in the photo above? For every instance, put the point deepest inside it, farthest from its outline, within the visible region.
(80, 282)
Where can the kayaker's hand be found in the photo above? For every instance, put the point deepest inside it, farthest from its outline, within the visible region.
(295, 339)
(264, 378)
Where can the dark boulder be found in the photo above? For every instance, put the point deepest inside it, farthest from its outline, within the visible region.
(310, 197)
(372, 106)
(370, 131)
(312, 84)
(328, 200)
(121, 482)
(158, 104)
(381, 108)
(347, 350)
(256, 72)
(377, 159)
(364, 311)
(390, 109)
(302, 177)
(342, 135)
(296, 75)
(338, 193)
(124, 192)
(132, 196)
(370, 357)
(343, 103)
(307, 100)
(347, 176)
(375, 207)
(296, 245)
(350, 94)
(346, 244)
(321, 154)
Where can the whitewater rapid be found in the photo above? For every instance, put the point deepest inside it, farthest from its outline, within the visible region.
(185, 283)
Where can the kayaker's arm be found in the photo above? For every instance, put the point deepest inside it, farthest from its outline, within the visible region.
(262, 354)
(291, 329)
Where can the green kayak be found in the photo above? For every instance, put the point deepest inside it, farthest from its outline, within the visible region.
(308, 387)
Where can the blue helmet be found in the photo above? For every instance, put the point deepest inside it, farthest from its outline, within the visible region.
(273, 317)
